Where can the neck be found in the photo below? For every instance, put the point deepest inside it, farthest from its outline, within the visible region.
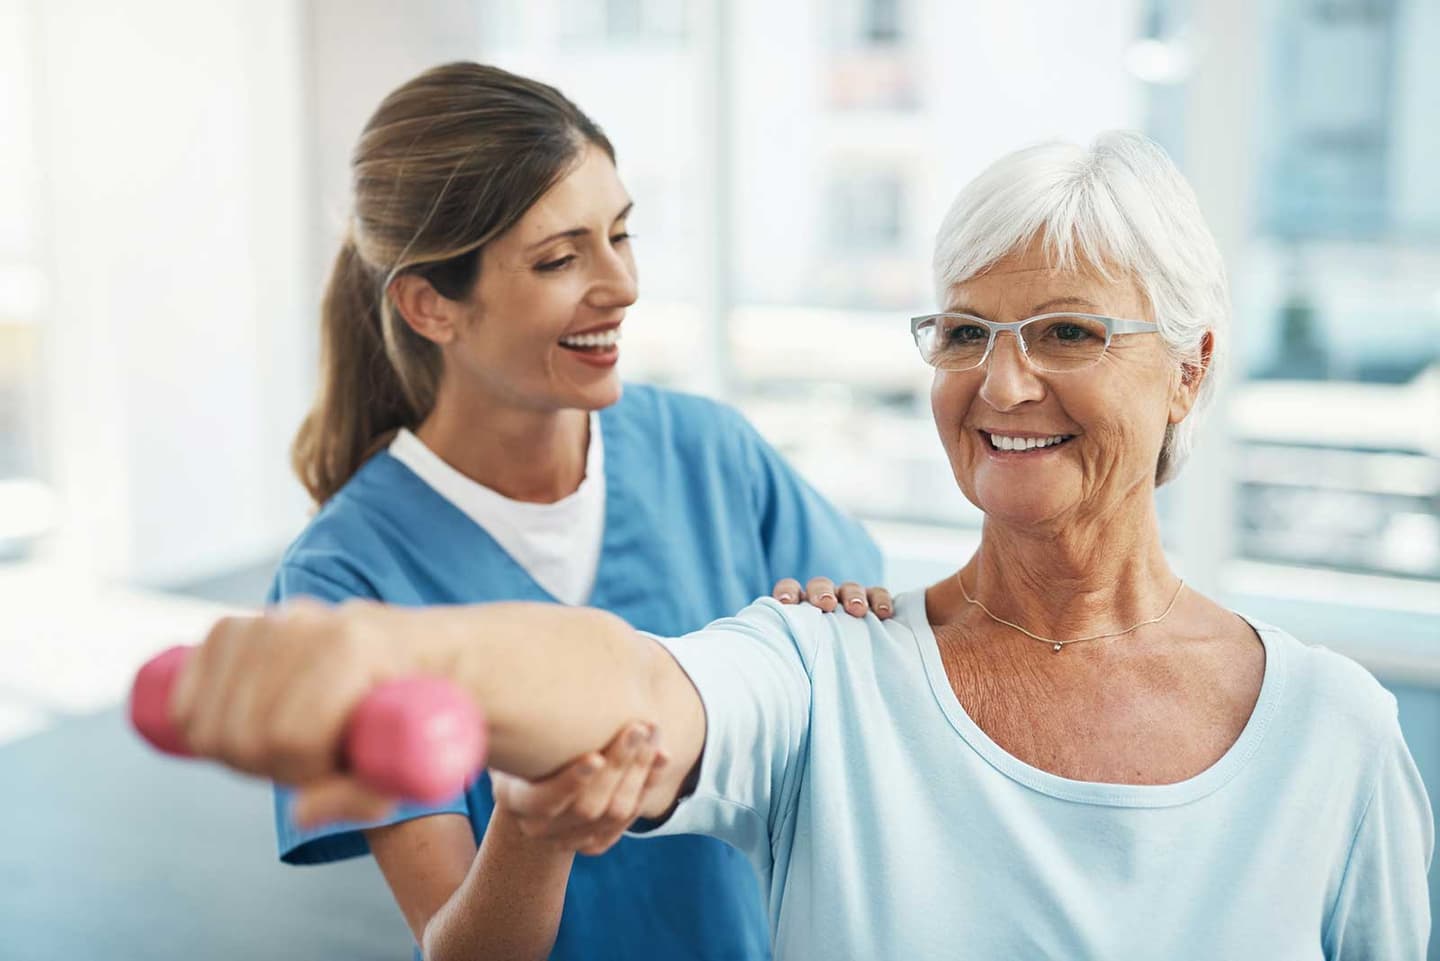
(1085, 578)
(522, 453)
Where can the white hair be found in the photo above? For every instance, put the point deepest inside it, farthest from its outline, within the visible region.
(1120, 205)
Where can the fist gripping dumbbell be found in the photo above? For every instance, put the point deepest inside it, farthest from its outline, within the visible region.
(419, 739)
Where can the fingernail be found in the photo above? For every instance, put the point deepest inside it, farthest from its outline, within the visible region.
(786, 597)
(636, 737)
(856, 603)
(826, 597)
(589, 766)
(882, 608)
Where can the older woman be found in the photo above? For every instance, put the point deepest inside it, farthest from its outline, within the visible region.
(1058, 751)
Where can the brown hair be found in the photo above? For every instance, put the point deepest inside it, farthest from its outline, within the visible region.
(449, 161)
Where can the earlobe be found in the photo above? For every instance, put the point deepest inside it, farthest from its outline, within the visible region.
(422, 307)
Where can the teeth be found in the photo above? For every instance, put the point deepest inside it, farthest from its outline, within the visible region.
(1002, 442)
(608, 338)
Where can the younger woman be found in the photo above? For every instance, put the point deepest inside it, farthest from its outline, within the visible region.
(471, 442)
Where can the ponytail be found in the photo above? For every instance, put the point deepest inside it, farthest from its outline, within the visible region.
(365, 395)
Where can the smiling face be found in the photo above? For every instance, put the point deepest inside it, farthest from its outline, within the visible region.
(540, 330)
(1110, 418)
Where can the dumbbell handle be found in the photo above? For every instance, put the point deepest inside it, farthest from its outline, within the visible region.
(419, 738)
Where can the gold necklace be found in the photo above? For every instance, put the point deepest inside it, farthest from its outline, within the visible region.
(1076, 640)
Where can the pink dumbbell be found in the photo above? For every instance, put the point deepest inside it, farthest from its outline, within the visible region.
(419, 739)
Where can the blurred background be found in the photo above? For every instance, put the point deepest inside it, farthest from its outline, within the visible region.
(172, 190)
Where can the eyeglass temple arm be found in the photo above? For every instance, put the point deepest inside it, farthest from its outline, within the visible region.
(1118, 326)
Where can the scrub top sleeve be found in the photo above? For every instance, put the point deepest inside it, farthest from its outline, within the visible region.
(804, 534)
(752, 673)
(1383, 908)
(332, 842)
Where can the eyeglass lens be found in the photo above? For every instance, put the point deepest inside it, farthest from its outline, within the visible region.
(1059, 343)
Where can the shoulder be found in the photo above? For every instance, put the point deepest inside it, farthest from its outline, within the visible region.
(337, 550)
(1333, 702)
(690, 414)
(795, 631)
(860, 644)
(1333, 683)
(350, 517)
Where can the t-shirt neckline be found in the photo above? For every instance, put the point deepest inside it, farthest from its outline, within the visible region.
(910, 610)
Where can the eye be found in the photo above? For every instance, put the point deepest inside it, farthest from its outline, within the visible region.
(621, 237)
(561, 263)
(1074, 330)
(963, 333)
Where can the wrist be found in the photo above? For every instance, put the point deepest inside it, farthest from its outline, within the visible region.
(506, 827)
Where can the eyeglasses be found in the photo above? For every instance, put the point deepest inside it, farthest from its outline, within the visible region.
(1055, 343)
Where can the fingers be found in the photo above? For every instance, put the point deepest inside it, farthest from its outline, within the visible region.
(270, 695)
(635, 747)
(625, 806)
(787, 591)
(820, 591)
(585, 808)
(338, 799)
(852, 599)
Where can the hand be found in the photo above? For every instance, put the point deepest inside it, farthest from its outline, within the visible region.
(855, 600)
(271, 696)
(587, 805)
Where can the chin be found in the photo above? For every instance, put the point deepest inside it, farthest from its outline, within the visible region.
(1013, 504)
(601, 394)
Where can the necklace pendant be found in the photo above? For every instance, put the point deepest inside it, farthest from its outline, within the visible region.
(1057, 648)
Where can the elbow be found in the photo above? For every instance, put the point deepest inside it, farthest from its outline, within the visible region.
(644, 661)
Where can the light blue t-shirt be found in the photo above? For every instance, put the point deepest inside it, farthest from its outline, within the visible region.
(701, 516)
(885, 823)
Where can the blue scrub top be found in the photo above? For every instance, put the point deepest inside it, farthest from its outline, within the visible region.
(701, 517)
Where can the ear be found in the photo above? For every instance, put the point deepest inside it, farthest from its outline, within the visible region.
(1192, 375)
(428, 312)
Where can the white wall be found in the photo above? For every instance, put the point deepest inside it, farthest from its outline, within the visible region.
(174, 220)
(197, 184)
(357, 51)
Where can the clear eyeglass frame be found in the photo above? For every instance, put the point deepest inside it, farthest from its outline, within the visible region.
(1113, 326)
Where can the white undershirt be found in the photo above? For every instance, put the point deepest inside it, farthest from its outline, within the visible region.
(557, 544)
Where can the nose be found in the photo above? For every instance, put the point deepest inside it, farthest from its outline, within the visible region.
(615, 283)
(1009, 379)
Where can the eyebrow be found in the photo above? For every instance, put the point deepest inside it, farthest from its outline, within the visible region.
(1063, 302)
(1038, 309)
(579, 231)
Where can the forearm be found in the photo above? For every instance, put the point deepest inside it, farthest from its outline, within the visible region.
(509, 906)
(554, 682)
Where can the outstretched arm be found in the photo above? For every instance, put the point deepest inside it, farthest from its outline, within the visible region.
(270, 695)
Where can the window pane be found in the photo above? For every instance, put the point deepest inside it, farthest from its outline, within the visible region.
(644, 96)
(1340, 455)
(854, 131)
